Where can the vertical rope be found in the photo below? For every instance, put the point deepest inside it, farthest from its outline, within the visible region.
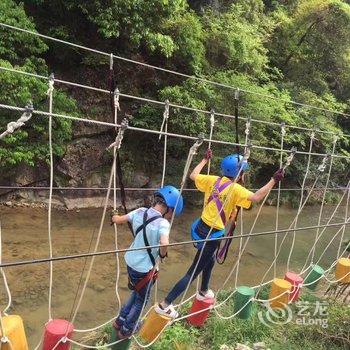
(4, 278)
(328, 222)
(312, 138)
(212, 123)
(115, 150)
(345, 218)
(49, 214)
(283, 133)
(118, 141)
(165, 126)
(239, 249)
(290, 228)
(4, 339)
(324, 196)
(247, 132)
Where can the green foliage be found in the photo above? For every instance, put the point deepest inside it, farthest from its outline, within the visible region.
(29, 144)
(235, 39)
(311, 45)
(232, 331)
(141, 22)
(17, 46)
(295, 50)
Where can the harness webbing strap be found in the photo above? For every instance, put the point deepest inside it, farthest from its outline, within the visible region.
(151, 275)
(215, 197)
(222, 252)
(142, 227)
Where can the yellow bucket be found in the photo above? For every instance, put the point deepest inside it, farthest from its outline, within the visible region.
(14, 332)
(279, 294)
(153, 325)
(342, 270)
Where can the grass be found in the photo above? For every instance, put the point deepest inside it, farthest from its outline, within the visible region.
(291, 336)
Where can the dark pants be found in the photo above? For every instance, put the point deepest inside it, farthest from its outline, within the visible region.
(130, 312)
(205, 265)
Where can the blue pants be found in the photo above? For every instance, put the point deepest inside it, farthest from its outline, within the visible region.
(205, 265)
(130, 312)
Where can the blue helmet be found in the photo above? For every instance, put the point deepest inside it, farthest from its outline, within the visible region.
(171, 196)
(232, 164)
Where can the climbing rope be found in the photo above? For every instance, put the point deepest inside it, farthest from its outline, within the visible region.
(49, 93)
(4, 339)
(324, 194)
(116, 147)
(283, 133)
(346, 215)
(7, 288)
(324, 229)
(12, 126)
(116, 144)
(320, 171)
(164, 127)
(312, 138)
(212, 124)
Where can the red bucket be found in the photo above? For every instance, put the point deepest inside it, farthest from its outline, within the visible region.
(55, 330)
(199, 318)
(296, 282)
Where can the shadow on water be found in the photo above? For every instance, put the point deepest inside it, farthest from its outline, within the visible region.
(25, 237)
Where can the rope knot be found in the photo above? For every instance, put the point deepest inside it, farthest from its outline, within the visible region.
(212, 118)
(290, 158)
(247, 150)
(12, 126)
(247, 126)
(165, 117)
(283, 129)
(119, 138)
(51, 84)
(199, 141)
(116, 95)
(321, 168)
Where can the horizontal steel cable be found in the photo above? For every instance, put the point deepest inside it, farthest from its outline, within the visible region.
(108, 252)
(98, 122)
(193, 77)
(143, 99)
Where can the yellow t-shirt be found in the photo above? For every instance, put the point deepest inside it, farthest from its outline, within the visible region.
(238, 197)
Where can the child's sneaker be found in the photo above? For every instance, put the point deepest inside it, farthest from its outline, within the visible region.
(124, 333)
(209, 294)
(168, 311)
(116, 324)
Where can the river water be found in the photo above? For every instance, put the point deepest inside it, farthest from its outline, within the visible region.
(24, 237)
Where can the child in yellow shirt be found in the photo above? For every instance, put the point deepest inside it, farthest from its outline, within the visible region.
(222, 197)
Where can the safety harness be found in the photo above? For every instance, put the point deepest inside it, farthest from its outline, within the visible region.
(222, 251)
(216, 198)
(152, 274)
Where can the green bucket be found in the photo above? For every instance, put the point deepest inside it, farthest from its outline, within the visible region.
(313, 277)
(122, 345)
(242, 304)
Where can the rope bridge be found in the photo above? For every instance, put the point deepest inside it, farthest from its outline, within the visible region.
(325, 162)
